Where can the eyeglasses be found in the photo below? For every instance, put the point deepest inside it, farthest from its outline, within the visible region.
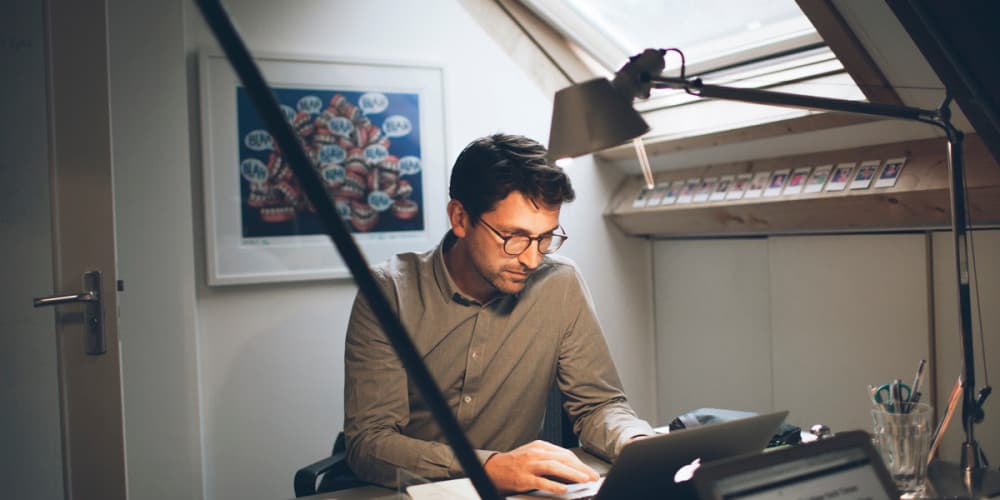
(516, 244)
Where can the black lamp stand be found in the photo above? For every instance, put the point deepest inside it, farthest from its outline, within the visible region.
(971, 478)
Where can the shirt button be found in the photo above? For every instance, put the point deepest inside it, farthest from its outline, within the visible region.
(467, 399)
(475, 355)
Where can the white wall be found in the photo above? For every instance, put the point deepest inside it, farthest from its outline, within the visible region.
(271, 376)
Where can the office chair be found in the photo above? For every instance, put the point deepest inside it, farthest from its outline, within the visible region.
(333, 473)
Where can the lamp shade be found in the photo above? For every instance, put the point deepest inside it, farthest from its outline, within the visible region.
(592, 116)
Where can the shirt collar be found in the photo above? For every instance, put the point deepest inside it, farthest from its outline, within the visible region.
(449, 290)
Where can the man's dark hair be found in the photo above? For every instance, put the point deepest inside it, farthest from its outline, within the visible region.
(492, 167)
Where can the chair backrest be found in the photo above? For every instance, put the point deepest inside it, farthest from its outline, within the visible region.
(557, 427)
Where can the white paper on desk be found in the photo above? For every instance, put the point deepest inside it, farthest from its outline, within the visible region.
(462, 489)
(444, 490)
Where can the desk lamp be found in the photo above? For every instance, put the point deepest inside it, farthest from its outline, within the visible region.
(598, 113)
(281, 130)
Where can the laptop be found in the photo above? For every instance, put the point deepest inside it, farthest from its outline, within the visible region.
(844, 466)
(658, 466)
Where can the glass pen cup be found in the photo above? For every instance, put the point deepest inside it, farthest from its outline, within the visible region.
(903, 439)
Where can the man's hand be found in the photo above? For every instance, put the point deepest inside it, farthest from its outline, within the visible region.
(530, 466)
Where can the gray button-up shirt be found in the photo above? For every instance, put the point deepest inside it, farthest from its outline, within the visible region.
(495, 363)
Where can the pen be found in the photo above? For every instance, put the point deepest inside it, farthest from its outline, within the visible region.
(896, 393)
(956, 395)
(915, 388)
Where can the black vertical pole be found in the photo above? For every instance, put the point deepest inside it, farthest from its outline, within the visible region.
(267, 107)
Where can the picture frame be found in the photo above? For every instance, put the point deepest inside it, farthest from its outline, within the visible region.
(866, 173)
(890, 172)
(818, 179)
(757, 185)
(675, 190)
(725, 182)
(777, 183)
(376, 134)
(739, 187)
(704, 189)
(840, 177)
(687, 192)
(797, 181)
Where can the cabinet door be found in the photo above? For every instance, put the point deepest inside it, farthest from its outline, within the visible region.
(713, 325)
(846, 312)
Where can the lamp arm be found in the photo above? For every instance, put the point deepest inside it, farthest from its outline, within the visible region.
(695, 86)
(972, 407)
(267, 107)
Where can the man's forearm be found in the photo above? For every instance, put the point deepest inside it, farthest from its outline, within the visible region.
(604, 431)
(375, 456)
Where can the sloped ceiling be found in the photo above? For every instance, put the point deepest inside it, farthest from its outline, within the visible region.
(894, 51)
(959, 41)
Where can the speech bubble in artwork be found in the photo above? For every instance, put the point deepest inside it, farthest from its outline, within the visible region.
(310, 104)
(253, 170)
(376, 153)
(379, 200)
(397, 126)
(333, 174)
(332, 153)
(409, 165)
(258, 140)
(373, 102)
(340, 126)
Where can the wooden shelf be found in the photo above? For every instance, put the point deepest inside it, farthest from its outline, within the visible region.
(919, 200)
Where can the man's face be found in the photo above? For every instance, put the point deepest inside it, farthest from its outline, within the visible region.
(514, 215)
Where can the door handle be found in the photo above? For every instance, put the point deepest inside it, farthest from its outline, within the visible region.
(93, 314)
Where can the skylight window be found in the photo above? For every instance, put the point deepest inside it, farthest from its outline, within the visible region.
(712, 33)
(765, 44)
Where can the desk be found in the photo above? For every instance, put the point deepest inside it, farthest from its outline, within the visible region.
(380, 493)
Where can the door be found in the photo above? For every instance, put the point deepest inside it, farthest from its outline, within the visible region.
(63, 436)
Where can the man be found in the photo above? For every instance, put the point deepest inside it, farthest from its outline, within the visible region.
(497, 319)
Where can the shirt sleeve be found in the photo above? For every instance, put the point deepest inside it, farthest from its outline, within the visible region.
(595, 399)
(376, 410)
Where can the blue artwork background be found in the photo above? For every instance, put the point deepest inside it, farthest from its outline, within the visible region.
(304, 221)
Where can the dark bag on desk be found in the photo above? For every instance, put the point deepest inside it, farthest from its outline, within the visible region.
(787, 433)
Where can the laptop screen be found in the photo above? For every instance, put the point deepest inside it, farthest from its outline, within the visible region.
(846, 468)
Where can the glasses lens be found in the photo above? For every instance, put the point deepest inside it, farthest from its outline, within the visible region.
(551, 243)
(516, 245)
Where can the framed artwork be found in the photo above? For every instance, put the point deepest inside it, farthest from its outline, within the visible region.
(375, 135)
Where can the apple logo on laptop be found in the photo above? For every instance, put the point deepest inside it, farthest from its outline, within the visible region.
(686, 472)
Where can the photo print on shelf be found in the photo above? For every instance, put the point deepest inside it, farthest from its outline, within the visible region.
(890, 173)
